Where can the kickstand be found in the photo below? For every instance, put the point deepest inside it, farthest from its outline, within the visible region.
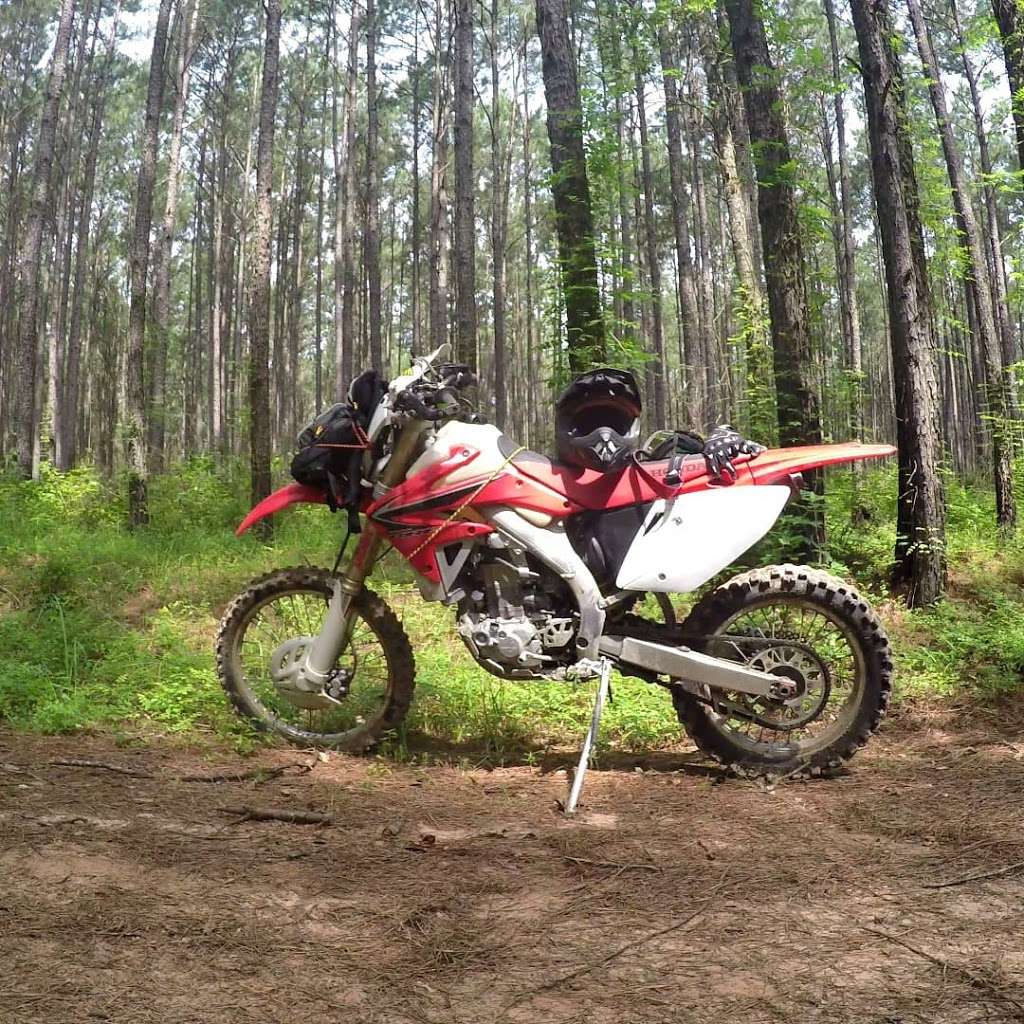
(588, 741)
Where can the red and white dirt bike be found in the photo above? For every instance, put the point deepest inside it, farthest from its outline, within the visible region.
(781, 669)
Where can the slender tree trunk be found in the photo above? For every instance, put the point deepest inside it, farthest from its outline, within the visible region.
(1010, 20)
(850, 307)
(30, 257)
(688, 326)
(798, 410)
(259, 354)
(348, 196)
(135, 393)
(500, 156)
(163, 249)
(920, 546)
(438, 287)
(69, 445)
(372, 239)
(995, 390)
(465, 186)
(658, 364)
(574, 220)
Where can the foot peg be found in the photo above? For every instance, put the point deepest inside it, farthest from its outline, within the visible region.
(604, 674)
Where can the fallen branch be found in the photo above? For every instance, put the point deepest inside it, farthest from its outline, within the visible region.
(981, 875)
(273, 814)
(977, 980)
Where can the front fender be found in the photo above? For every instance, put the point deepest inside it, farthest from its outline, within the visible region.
(293, 494)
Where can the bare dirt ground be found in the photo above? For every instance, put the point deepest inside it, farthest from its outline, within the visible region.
(444, 896)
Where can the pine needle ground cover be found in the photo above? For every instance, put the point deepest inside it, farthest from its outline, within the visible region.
(104, 628)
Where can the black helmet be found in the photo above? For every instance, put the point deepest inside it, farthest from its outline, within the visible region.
(597, 420)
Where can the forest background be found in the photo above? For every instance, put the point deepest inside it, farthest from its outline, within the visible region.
(801, 219)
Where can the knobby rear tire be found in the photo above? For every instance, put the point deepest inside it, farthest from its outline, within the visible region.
(833, 597)
(382, 622)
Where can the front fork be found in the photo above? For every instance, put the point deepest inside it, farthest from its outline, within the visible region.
(318, 663)
(337, 625)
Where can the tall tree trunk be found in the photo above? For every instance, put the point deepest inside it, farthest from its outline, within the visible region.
(69, 444)
(372, 239)
(850, 309)
(345, 239)
(1010, 20)
(438, 287)
(798, 412)
(920, 545)
(259, 352)
(995, 390)
(465, 186)
(689, 347)
(135, 393)
(574, 219)
(658, 365)
(500, 173)
(30, 257)
(165, 242)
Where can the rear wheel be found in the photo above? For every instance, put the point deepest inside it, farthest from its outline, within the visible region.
(819, 636)
(373, 677)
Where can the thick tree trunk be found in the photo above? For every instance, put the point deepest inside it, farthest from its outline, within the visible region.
(465, 186)
(995, 390)
(920, 546)
(259, 352)
(30, 257)
(793, 355)
(135, 392)
(574, 220)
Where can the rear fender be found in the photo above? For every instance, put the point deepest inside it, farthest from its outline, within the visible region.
(293, 494)
(779, 465)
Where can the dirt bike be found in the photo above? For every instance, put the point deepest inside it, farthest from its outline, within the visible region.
(781, 669)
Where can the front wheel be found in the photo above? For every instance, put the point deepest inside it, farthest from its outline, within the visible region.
(375, 673)
(816, 633)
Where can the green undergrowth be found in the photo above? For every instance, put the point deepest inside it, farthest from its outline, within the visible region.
(100, 627)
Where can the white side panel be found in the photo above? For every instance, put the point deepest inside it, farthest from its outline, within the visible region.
(482, 436)
(686, 540)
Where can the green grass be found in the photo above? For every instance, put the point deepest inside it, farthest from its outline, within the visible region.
(100, 627)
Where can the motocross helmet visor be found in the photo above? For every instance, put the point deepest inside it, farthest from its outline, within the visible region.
(597, 420)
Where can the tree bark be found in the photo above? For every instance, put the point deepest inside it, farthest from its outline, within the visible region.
(135, 393)
(30, 257)
(259, 354)
(920, 547)
(372, 239)
(574, 220)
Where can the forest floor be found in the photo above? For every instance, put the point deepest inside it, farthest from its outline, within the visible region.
(457, 895)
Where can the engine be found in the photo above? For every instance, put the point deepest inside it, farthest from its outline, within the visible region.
(517, 618)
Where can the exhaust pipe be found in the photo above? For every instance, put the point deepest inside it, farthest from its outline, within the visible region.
(689, 666)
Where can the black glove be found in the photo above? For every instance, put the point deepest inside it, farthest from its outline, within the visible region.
(722, 446)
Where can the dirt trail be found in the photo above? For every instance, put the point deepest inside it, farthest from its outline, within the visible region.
(455, 897)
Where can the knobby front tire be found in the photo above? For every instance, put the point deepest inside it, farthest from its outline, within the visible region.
(292, 602)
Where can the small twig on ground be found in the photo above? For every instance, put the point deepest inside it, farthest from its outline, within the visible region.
(274, 814)
(611, 864)
(981, 875)
(259, 774)
(947, 965)
(75, 762)
(562, 979)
